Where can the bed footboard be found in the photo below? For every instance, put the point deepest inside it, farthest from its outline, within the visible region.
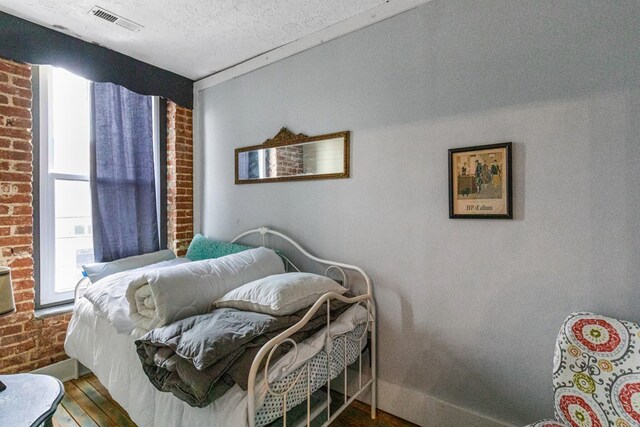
(340, 351)
(303, 382)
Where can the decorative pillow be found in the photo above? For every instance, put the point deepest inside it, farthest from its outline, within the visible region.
(100, 270)
(280, 294)
(203, 248)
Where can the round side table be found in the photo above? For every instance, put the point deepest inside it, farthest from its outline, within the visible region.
(29, 400)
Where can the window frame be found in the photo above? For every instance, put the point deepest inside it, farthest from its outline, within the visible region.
(45, 293)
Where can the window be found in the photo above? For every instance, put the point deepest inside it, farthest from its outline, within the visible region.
(65, 240)
(65, 197)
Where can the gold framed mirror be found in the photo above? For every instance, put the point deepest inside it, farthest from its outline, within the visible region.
(294, 157)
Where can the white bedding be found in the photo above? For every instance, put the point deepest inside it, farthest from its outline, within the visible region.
(161, 296)
(108, 295)
(112, 357)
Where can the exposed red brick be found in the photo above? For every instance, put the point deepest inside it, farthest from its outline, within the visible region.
(21, 347)
(22, 146)
(15, 155)
(7, 89)
(21, 262)
(22, 210)
(23, 284)
(22, 102)
(16, 220)
(15, 240)
(16, 68)
(21, 82)
(22, 274)
(23, 167)
(15, 188)
(18, 198)
(8, 361)
(18, 251)
(10, 111)
(26, 295)
(10, 330)
(13, 339)
(23, 230)
(24, 343)
(179, 178)
(16, 133)
(18, 123)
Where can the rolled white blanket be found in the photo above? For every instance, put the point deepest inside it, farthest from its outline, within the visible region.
(157, 298)
(108, 295)
(145, 304)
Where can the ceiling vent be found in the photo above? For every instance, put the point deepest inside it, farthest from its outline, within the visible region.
(101, 13)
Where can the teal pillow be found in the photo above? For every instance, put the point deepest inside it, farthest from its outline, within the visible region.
(203, 248)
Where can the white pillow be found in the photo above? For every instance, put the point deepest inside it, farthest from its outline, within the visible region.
(100, 270)
(280, 294)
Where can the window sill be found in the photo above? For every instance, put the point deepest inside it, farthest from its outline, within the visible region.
(53, 311)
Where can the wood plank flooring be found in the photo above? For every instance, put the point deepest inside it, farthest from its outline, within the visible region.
(88, 404)
(358, 414)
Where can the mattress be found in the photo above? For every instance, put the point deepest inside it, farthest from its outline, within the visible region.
(93, 341)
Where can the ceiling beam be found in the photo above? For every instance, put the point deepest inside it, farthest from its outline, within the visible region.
(364, 19)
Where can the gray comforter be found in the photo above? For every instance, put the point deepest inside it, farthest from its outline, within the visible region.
(199, 358)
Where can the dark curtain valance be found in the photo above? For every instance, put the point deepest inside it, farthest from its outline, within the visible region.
(25, 41)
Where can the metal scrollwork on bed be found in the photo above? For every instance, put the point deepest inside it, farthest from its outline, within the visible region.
(364, 299)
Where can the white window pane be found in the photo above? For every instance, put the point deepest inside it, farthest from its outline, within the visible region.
(70, 123)
(73, 237)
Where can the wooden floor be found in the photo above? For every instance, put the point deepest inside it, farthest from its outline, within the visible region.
(359, 414)
(87, 403)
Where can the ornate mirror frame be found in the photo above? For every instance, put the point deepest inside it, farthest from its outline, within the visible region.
(287, 138)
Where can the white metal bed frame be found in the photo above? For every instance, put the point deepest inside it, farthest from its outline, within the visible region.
(268, 349)
(366, 300)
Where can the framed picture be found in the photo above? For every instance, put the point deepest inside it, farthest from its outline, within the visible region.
(480, 182)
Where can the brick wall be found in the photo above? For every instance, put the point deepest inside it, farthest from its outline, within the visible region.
(289, 161)
(25, 343)
(285, 161)
(179, 178)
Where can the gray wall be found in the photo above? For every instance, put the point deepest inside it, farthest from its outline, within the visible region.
(469, 309)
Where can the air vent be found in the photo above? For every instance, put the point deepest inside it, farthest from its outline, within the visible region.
(101, 13)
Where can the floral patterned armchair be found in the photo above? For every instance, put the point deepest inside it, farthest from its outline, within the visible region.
(596, 373)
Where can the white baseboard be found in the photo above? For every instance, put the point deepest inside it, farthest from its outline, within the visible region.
(417, 407)
(426, 410)
(64, 370)
(406, 403)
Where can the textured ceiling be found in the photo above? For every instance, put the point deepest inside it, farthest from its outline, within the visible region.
(191, 38)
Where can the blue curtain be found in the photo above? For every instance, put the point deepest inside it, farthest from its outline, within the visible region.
(122, 173)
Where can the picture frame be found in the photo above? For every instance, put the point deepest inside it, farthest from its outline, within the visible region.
(480, 182)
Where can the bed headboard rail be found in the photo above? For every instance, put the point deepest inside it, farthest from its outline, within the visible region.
(335, 264)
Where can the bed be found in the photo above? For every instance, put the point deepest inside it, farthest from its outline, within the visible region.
(296, 383)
